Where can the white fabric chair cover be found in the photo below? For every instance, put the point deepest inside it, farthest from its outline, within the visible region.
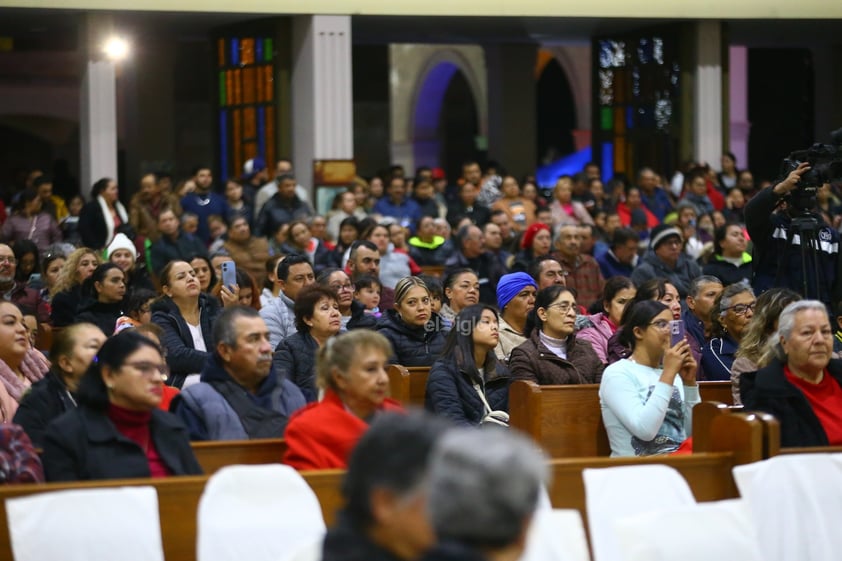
(556, 535)
(257, 512)
(720, 531)
(310, 552)
(619, 492)
(796, 504)
(86, 525)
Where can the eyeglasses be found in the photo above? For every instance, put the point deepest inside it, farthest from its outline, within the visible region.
(741, 309)
(342, 287)
(563, 307)
(9, 260)
(660, 324)
(149, 369)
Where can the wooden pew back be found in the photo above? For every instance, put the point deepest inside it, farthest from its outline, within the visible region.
(178, 501)
(716, 391)
(216, 454)
(565, 420)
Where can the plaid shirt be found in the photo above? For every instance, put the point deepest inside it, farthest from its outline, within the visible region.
(584, 276)
(19, 463)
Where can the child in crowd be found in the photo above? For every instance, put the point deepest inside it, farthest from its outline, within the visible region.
(70, 224)
(189, 223)
(367, 293)
(436, 291)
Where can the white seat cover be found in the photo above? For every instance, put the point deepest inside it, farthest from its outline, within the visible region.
(556, 535)
(720, 531)
(619, 492)
(86, 525)
(796, 504)
(258, 513)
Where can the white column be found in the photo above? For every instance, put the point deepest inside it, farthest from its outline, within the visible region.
(707, 94)
(98, 123)
(322, 95)
(738, 105)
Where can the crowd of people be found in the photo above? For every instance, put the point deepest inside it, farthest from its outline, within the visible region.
(482, 279)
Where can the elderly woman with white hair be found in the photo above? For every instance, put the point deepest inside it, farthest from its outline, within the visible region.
(731, 313)
(483, 490)
(802, 385)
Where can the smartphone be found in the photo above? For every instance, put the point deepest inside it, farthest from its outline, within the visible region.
(229, 274)
(676, 331)
(35, 281)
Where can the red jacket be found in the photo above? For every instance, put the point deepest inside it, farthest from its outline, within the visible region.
(322, 435)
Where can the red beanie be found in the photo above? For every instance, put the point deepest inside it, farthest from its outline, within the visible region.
(531, 232)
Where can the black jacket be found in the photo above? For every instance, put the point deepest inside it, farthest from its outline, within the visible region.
(100, 314)
(346, 541)
(451, 394)
(412, 346)
(278, 211)
(488, 269)
(182, 356)
(183, 248)
(64, 305)
(47, 399)
(360, 319)
(295, 360)
(84, 444)
(727, 272)
(92, 228)
(449, 550)
(769, 391)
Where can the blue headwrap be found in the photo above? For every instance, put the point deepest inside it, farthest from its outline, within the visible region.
(510, 285)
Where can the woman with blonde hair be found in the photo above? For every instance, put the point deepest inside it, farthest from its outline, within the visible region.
(351, 369)
(750, 354)
(67, 290)
(412, 327)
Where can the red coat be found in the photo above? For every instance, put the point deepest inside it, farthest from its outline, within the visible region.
(321, 435)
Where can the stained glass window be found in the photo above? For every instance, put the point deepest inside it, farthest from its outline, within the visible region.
(246, 102)
(635, 115)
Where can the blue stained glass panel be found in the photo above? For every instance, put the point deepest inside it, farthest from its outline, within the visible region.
(258, 51)
(629, 117)
(235, 52)
(261, 131)
(608, 155)
(223, 142)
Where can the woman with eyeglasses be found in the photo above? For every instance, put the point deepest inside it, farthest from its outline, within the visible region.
(551, 353)
(647, 399)
(412, 327)
(71, 353)
(731, 314)
(461, 289)
(353, 311)
(118, 431)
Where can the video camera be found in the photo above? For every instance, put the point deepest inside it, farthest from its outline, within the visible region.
(825, 167)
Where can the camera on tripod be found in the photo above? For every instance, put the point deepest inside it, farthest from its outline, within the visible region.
(825, 167)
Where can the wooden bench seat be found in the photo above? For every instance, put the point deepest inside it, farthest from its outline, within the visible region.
(708, 474)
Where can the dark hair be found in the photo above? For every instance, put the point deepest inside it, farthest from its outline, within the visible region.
(638, 314)
(535, 265)
(393, 454)
(206, 259)
(612, 287)
(623, 236)
(323, 278)
(224, 327)
(367, 281)
(719, 235)
(451, 277)
(245, 280)
(287, 263)
(271, 267)
(49, 258)
(21, 248)
(92, 390)
(357, 245)
(26, 196)
(653, 289)
(305, 304)
(89, 287)
(433, 285)
(137, 300)
(99, 187)
(543, 299)
(460, 342)
(197, 169)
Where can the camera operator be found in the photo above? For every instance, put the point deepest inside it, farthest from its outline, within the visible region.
(777, 255)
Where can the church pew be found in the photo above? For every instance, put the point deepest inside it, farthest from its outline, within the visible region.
(716, 391)
(398, 383)
(408, 384)
(178, 501)
(433, 270)
(708, 474)
(565, 420)
(215, 454)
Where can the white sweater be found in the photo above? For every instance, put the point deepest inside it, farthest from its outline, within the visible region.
(642, 415)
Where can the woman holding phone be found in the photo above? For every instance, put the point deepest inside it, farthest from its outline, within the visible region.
(647, 399)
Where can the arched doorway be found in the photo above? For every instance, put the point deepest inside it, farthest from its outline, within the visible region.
(555, 111)
(445, 119)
